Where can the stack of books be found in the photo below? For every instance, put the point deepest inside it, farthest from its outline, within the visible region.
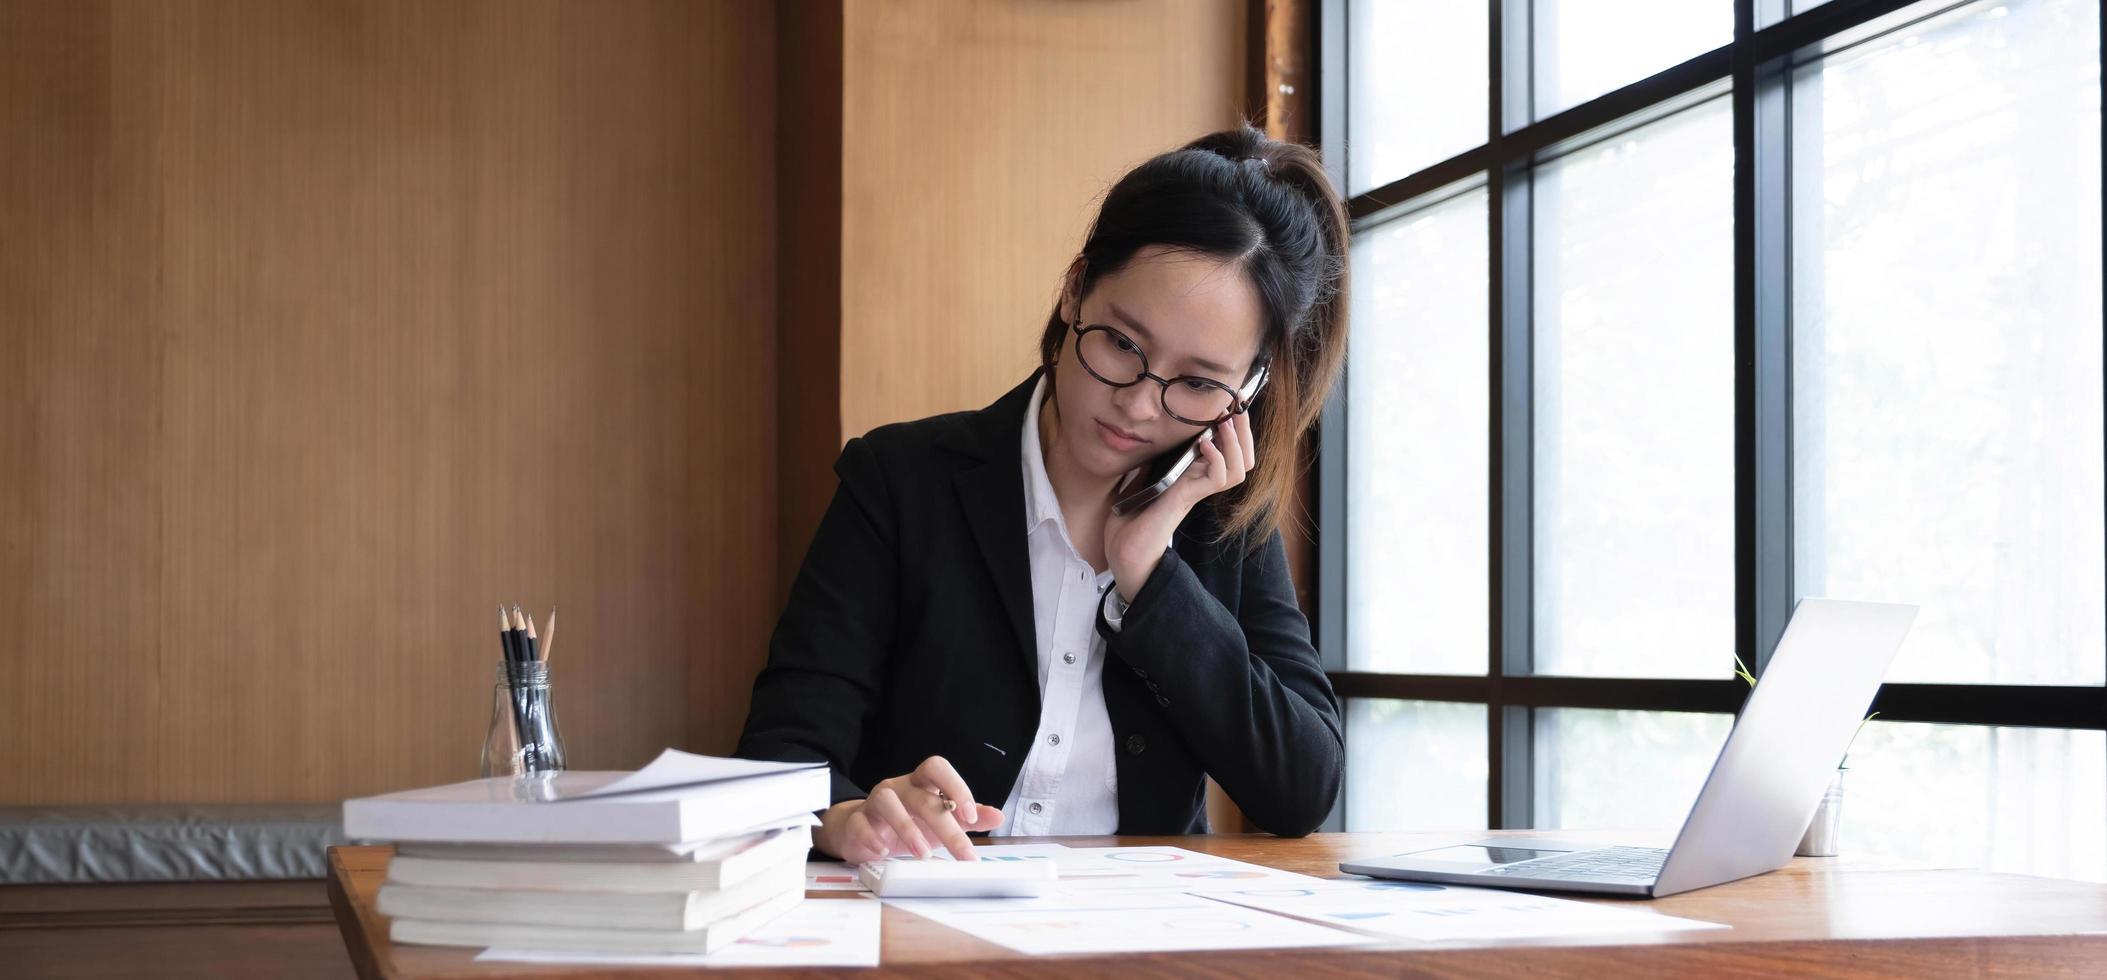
(687, 855)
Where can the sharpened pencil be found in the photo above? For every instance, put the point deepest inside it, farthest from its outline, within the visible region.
(505, 638)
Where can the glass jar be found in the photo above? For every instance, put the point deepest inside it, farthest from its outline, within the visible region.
(523, 737)
(1822, 837)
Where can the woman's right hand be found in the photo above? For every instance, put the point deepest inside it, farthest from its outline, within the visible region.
(904, 815)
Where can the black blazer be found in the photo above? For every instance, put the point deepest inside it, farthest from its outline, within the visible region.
(908, 633)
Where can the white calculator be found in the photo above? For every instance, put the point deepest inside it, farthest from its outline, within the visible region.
(911, 878)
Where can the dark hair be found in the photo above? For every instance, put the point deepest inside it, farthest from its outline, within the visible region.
(1267, 206)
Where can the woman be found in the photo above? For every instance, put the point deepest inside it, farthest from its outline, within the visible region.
(976, 642)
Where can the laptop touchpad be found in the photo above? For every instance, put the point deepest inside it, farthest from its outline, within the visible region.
(1480, 855)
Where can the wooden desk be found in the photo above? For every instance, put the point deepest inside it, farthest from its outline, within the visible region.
(209, 930)
(1831, 916)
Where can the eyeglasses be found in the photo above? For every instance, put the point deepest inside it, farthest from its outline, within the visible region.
(1116, 360)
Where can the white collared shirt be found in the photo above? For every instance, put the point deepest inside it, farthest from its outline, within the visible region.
(1069, 783)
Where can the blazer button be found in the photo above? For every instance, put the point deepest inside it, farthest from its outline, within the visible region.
(1136, 745)
(1164, 701)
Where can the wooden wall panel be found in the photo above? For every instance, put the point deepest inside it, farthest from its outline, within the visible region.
(325, 326)
(977, 139)
(808, 249)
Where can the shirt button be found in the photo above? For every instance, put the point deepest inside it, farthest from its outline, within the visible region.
(1035, 808)
(1054, 739)
(1068, 658)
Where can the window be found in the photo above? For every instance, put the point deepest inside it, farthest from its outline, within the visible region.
(1634, 374)
(1587, 47)
(1419, 85)
(1422, 763)
(2009, 798)
(1420, 388)
(1607, 769)
(1659, 327)
(1946, 339)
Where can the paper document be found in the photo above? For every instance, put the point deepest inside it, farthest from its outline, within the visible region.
(836, 876)
(1134, 922)
(820, 932)
(1430, 912)
(1128, 869)
(674, 769)
(832, 876)
(1127, 900)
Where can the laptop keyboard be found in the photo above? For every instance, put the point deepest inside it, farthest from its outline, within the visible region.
(1620, 864)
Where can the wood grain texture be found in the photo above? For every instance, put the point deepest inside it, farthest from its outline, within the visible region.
(164, 903)
(808, 248)
(977, 141)
(18, 901)
(325, 326)
(1817, 916)
(209, 952)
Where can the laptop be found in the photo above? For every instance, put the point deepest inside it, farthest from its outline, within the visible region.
(1763, 788)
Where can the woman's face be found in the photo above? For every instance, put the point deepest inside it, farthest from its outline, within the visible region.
(1189, 315)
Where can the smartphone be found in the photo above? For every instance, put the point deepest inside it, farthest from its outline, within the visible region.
(1151, 479)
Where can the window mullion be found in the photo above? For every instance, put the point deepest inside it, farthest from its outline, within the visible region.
(1769, 270)
(1332, 539)
(1762, 308)
(1512, 766)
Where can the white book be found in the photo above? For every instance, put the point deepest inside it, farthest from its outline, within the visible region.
(687, 852)
(627, 911)
(708, 939)
(757, 855)
(678, 798)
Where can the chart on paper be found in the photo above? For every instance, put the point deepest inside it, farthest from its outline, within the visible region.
(1430, 912)
(1131, 869)
(1136, 922)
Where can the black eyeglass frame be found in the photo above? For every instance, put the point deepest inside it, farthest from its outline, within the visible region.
(1237, 404)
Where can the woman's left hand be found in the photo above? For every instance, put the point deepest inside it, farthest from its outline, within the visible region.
(1136, 542)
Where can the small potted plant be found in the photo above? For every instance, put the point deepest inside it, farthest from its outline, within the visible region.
(1820, 840)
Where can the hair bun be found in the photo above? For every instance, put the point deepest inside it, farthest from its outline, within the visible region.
(1239, 145)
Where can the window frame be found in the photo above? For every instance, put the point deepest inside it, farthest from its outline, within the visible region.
(1754, 71)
